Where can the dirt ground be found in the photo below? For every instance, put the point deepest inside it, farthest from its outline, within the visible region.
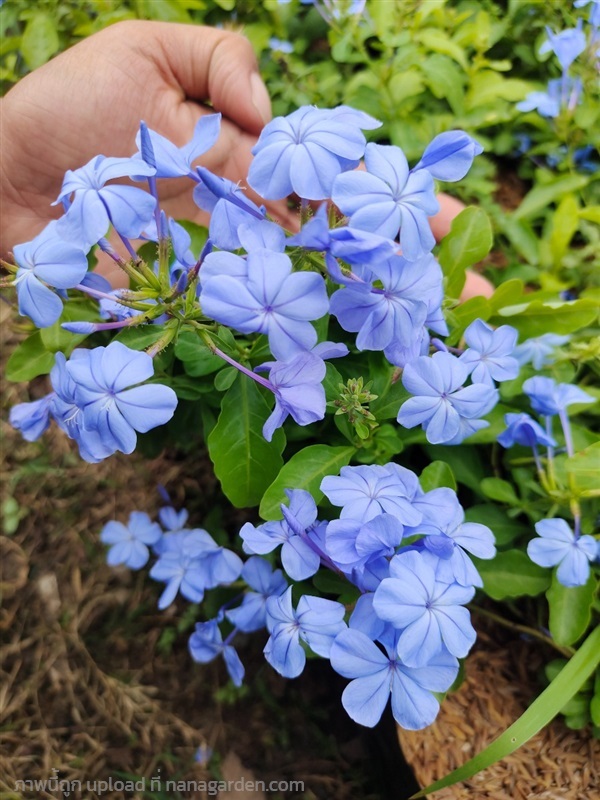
(97, 684)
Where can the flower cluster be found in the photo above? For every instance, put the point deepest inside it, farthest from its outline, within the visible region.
(557, 544)
(99, 400)
(403, 552)
(390, 286)
(564, 93)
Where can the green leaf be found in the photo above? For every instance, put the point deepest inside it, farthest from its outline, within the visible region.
(512, 574)
(445, 80)
(500, 490)
(505, 529)
(244, 461)
(565, 222)
(225, 378)
(29, 360)
(141, 337)
(187, 388)
(40, 40)
(542, 711)
(591, 212)
(538, 317)
(465, 462)
(539, 198)
(57, 339)
(469, 241)
(570, 609)
(305, 470)
(437, 474)
(585, 468)
(464, 314)
(388, 405)
(197, 358)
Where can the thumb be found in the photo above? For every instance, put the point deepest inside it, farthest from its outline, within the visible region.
(216, 65)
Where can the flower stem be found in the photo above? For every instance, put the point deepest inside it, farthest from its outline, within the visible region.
(525, 629)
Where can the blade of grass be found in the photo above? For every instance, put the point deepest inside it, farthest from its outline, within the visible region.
(542, 711)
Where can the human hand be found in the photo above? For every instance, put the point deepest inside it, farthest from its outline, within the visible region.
(90, 99)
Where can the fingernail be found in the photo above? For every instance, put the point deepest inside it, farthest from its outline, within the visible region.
(260, 97)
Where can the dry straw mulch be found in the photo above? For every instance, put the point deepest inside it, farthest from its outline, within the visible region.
(501, 681)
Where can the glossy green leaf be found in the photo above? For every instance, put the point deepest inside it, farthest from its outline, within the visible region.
(197, 358)
(244, 462)
(540, 197)
(570, 609)
(539, 317)
(305, 470)
(502, 491)
(437, 474)
(512, 574)
(465, 462)
(388, 405)
(542, 711)
(141, 337)
(469, 241)
(29, 360)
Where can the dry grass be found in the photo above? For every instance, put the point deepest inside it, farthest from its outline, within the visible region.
(94, 681)
(501, 681)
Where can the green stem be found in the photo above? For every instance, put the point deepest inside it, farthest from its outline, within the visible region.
(565, 651)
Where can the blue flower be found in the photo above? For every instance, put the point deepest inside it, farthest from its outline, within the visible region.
(46, 261)
(68, 414)
(172, 520)
(272, 300)
(448, 536)
(566, 45)
(449, 156)
(190, 561)
(539, 351)
(297, 385)
(558, 545)
(353, 245)
(103, 378)
(440, 399)
(365, 492)
(562, 93)
(316, 621)
(410, 298)
(549, 398)
(91, 206)
(32, 419)
(299, 554)
(280, 46)
(266, 582)
(305, 151)
(594, 18)
(229, 208)
(352, 545)
(489, 353)
(129, 543)
(522, 429)
(429, 612)
(388, 198)
(376, 674)
(174, 162)
(206, 643)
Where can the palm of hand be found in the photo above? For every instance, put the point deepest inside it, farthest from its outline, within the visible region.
(89, 101)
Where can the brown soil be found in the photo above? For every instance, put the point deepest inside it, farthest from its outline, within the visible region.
(96, 683)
